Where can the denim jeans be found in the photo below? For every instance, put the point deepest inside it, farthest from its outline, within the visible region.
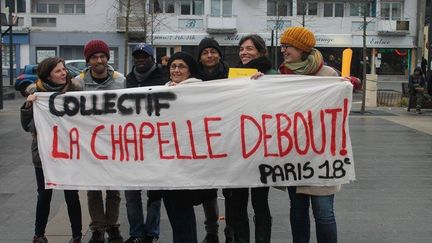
(262, 218)
(182, 219)
(325, 222)
(135, 214)
(44, 202)
(103, 218)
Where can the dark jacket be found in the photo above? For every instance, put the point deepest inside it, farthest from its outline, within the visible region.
(263, 64)
(157, 77)
(415, 80)
(220, 72)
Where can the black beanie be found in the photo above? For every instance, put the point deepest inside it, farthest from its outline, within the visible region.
(206, 43)
(188, 59)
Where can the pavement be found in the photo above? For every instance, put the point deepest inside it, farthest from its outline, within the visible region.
(390, 202)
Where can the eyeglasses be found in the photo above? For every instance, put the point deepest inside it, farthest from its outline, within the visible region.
(285, 46)
(173, 66)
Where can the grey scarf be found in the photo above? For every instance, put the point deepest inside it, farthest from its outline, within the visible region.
(143, 76)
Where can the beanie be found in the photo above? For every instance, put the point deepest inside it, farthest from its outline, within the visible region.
(206, 43)
(188, 59)
(143, 47)
(95, 46)
(298, 37)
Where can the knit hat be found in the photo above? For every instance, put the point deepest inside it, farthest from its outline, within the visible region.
(95, 46)
(299, 37)
(143, 47)
(188, 59)
(206, 43)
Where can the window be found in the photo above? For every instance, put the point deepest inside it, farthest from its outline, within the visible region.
(47, 8)
(45, 52)
(16, 5)
(221, 8)
(74, 7)
(44, 22)
(391, 10)
(307, 8)
(191, 7)
(163, 6)
(356, 9)
(333, 9)
(279, 8)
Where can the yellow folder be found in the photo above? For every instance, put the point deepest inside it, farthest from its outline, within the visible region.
(241, 72)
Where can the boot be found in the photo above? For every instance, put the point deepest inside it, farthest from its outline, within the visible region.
(262, 229)
(114, 235)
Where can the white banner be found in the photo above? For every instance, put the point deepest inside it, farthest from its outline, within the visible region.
(278, 130)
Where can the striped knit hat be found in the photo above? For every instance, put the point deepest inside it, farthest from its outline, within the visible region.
(299, 37)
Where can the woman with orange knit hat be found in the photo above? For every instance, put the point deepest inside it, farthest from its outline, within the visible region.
(300, 57)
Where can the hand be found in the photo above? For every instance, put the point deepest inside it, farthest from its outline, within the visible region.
(30, 99)
(257, 75)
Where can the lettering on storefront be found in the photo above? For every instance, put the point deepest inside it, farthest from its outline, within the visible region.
(379, 41)
(322, 40)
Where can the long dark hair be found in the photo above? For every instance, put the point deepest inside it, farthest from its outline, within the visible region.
(45, 67)
(258, 42)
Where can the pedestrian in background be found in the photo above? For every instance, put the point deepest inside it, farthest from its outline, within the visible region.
(100, 76)
(300, 57)
(211, 67)
(145, 72)
(52, 77)
(417, 85)
(253, 54)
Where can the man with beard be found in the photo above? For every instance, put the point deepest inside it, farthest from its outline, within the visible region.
(211, 67)
(145, 72)
(100, 76)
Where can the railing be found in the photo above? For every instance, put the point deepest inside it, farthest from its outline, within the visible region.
(389, 97)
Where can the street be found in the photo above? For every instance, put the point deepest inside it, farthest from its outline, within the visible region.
(390, 201)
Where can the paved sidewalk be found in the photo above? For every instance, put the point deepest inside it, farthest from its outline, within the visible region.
(389, 202)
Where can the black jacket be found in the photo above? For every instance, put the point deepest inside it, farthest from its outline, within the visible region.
(157, 77)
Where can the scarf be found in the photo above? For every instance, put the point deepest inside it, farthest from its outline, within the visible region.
(143, 76)
(42, 86)
(263, 64)
(310, 66)
(220, 72)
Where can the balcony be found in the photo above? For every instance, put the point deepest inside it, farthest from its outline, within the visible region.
(393, 27)
(221, 25)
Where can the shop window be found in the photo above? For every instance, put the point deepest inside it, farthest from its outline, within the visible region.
(333, 9)
(191, 7)
(391, 10)
(307, 8)
(221, 8)
(5, 56)
(45, 52)
(279, 8)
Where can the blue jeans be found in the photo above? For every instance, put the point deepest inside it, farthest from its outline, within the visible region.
(44, 202)
(325, 222)
(182, 219)
(135, 214)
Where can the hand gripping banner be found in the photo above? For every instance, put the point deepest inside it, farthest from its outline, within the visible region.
(279, 130)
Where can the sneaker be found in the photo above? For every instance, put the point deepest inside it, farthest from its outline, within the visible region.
(151, 239)
(97, 237)
(211, 238)
(135, 240)
(40, 239)
(114, 235)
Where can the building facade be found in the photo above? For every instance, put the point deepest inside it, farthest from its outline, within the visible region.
(62, 27)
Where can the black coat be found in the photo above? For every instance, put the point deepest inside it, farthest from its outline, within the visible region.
(157, 77)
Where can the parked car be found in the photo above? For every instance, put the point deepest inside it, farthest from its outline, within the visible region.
(29, 76)
(81, 64)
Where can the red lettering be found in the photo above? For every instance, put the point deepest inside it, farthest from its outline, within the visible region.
(243, 118)
(55, 152)
(283, 133)
(143, 136)
(74, 140)
(176, 143)
(299, 116)
(132, 140)
(162, 141)
(117, 141)
(207, 120)
(323, 132)
(343, 151)
(266, 136)
(93, 143)
(334, 114)
(192, 143)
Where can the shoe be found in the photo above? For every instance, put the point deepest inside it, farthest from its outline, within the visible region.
(75, 240)
(97, 237)
(135, 240)
(211, 238)
(114, 235)
(418, 111)
(40, 239)
(151, 239)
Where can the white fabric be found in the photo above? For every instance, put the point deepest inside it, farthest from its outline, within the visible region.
(218, 113)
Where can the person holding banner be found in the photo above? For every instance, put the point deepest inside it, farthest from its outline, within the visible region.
(145, 72)
(100, 76)
(253, 54)
(179, 204)
(53, 77)
(300, 57)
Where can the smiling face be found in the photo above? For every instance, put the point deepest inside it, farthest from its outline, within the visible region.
(98, 63)
(58, 74)
(179, 71)
(248, 52)
(142, 61)
(210, 57)
(291, 54)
